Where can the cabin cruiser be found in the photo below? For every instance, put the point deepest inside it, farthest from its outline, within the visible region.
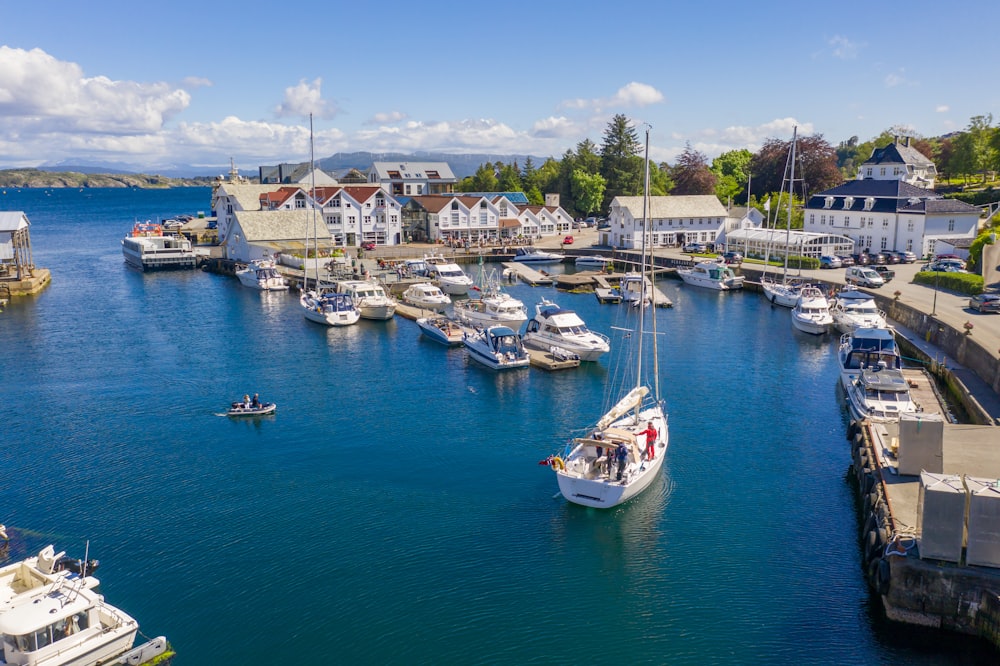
(442, 330)
(712, 275)
(593, 261)
(448, 275)
(867, 348)
(261, 274)
(497, 347)
(635, 289)
(495, 306)
(533, 256)
(784, 293)
(554, 327)
(54, 617)
(426, 296)
(369, 298)
(147, 248)
(811, 313)
(854, 309)
(880, 394)
(331, 309)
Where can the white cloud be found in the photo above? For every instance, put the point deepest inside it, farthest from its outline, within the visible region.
(40, 93)
(389, 117)
(197, 82)
(843, 48)
(942, 108)
(305, 98)
(554, 128)
(631, 95)
(714, 142)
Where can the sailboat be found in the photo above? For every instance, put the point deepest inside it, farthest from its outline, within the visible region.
(623, 452)
(330, 309)
(785, 293)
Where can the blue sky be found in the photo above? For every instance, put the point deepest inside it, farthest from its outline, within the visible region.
(202, 82)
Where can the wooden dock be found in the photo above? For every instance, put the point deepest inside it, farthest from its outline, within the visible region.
(528, 274)
(548, 361)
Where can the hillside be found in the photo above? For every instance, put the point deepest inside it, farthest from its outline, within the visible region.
(41, 179)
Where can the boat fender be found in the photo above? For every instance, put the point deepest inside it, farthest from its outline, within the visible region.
(852, 430)
(557, 463)
(869, 478)
(869, 524)
(859, 439)
(875, 546)
(884, 577)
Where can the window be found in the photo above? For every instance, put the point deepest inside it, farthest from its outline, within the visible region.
(335, 203)
(909, 225)
(885, 223)
(909, 245)
(368, 204)
(822, 220)
(367, 220)
(869, 170)
(407, 189)
(885, 242)
(951, 225)
(882, 171)
(869, 203)
(848, 202)
(300, 203)
(847, 221)
(828, 202)
(812, 219)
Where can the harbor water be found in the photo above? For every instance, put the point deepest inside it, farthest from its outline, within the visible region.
(393, 510)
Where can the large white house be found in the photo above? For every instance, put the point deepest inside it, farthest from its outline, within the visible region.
(890, 215)
(673, 220)
(481, 218)
(899, 161)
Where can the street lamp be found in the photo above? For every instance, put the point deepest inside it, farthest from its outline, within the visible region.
(937, 277)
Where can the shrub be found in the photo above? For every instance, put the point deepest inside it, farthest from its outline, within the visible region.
(803, 262)
(963, 283)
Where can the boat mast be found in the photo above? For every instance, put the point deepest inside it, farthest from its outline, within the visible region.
(642, 271)
(312, 172)
(652, 276)
(791, 188)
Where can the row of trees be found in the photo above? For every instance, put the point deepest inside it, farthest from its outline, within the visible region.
(589, 177)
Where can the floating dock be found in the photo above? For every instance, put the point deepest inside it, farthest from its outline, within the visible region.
(930, 496)
(549, 361)
(528, 274)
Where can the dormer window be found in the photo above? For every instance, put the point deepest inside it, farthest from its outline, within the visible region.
(848, 202)
(828, 202)
(869, 202)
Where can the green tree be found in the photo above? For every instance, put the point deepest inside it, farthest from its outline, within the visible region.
(485, 179)
(588, 191)
(731, 170)
(509, 179)
(621, 165)
(984, 155)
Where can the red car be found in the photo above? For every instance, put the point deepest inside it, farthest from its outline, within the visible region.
(368, 245)
(568, 240)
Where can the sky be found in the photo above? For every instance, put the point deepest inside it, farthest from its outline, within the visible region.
(202, 83)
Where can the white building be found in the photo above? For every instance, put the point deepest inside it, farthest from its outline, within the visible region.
(673, 221)
(899, 161)
(356, 214)
(411, 179)
(889, 215)
(482, 218)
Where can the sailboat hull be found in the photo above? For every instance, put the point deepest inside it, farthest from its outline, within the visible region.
(589, 482)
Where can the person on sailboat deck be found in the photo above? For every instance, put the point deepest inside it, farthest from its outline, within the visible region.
(651, 434)
(255, 403)
(622, 456)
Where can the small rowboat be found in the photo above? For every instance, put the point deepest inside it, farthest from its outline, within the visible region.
(240, 409)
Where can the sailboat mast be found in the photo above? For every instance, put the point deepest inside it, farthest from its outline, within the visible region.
(312, 172)
(652, 273)
(642, 267)
(791, 187)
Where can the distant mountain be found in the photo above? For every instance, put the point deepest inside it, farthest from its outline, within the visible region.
(462, 165)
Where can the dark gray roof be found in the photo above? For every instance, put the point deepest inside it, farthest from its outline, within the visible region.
(896, 153)
(940, 206)
(890, 196)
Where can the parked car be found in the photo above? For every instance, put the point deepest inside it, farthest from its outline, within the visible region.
(877, 258)
(846, 260)
(985, 303)
(368, 245)
(863, 277)
(891, 257)
(945, 266)
(829, 261)
(733, 258)
(695, 248)
(906, 257)
(861, 259)
(886, 273)
(568, 240)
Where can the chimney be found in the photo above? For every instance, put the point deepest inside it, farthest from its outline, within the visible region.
(907, 142)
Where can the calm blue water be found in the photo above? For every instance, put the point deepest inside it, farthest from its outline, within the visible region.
(393, 510)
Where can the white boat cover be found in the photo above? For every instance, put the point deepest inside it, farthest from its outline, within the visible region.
(631, 400)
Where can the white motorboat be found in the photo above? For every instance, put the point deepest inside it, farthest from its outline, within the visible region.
(811, 313)
(635, 288)
(147, 248)
(55, 617)
(880, 394)
(262, 274)
(416, 268)
(554, 327)
(494, 306)
(853, 309)
(426, 296)
(711, 275)
(867, 348)
(330, 309)
(448, 275)
(623, 453)
(536, 257)
(247, 407)
(442, 330)
(369, 298)
(785, 293)
(497, 347)
(593, 261)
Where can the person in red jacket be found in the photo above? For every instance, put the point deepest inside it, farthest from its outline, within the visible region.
(651, 435)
